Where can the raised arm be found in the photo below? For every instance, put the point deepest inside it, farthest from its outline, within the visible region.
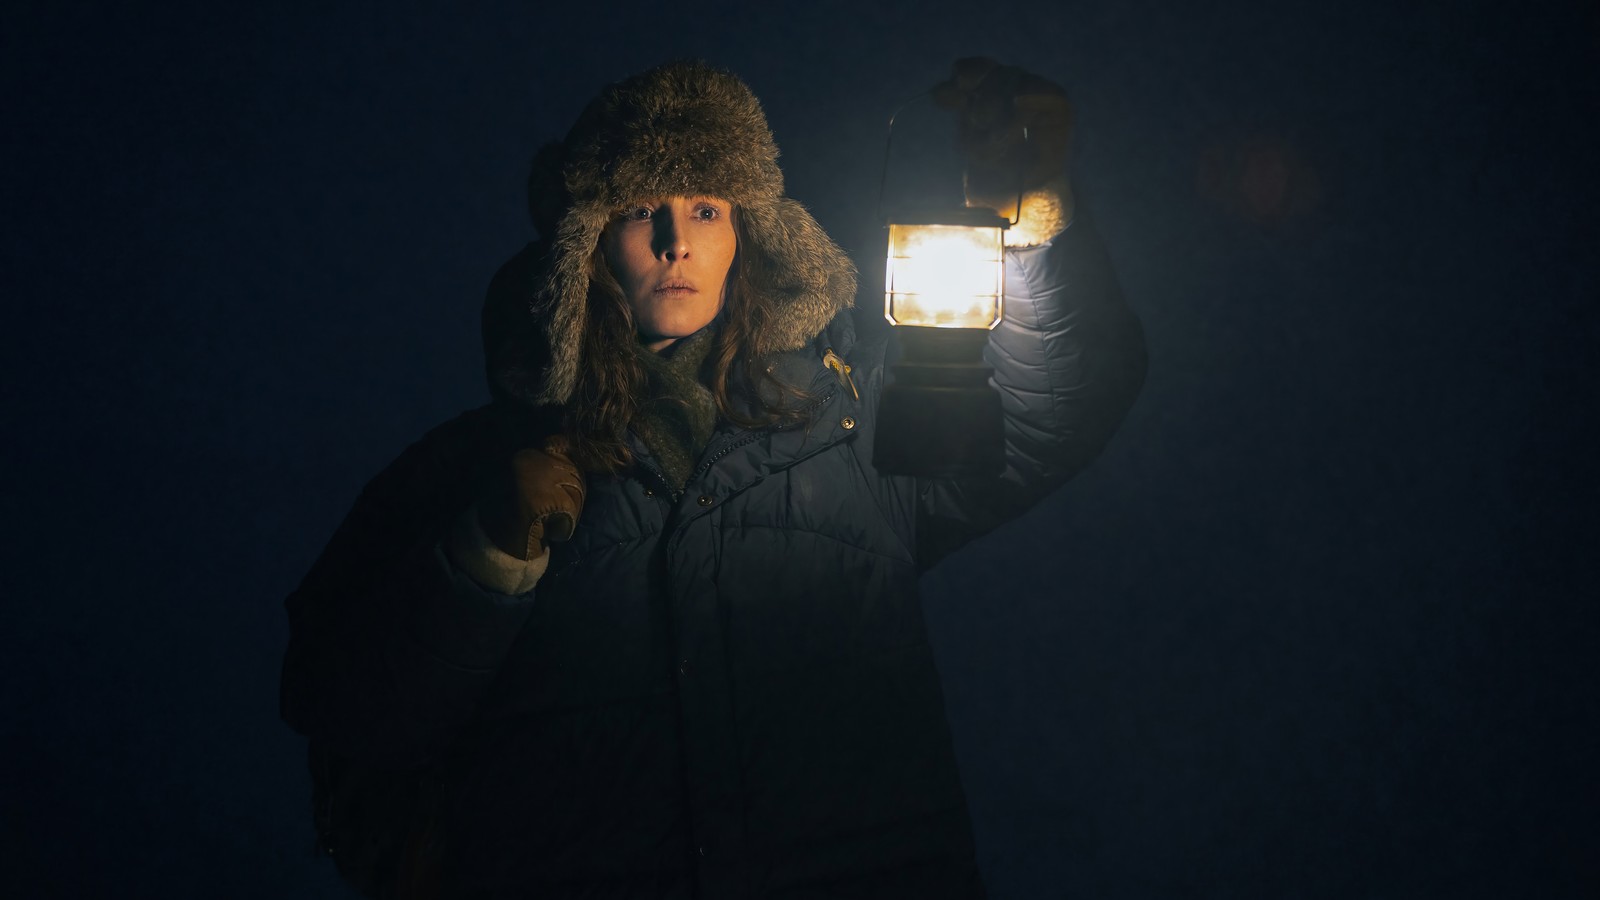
(1068, 362)
(1068, 357)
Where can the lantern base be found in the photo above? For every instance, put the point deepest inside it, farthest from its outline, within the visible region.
(940, 418)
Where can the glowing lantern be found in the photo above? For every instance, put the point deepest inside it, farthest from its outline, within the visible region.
(947, 272)
(944, 288)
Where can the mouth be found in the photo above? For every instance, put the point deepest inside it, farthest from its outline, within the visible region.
(674, 288)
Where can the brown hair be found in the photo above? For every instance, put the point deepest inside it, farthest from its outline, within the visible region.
(611, 384)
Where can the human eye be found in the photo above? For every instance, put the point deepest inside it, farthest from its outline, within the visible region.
(708, 212)
(637, 213)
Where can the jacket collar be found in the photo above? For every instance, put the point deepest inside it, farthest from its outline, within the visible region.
(738, 457)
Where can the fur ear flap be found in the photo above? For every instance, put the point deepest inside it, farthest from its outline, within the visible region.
(564, 300)
(807, 277)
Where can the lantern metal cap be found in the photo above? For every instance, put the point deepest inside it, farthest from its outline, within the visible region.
(970, 217)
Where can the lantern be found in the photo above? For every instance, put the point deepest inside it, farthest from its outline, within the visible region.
(946, 271)
(944, 290)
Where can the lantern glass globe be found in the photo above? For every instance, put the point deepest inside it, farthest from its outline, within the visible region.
(945, 276)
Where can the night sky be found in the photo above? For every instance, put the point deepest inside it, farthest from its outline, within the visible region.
(1319, 623)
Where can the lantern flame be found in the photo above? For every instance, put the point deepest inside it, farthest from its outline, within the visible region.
(948, 276)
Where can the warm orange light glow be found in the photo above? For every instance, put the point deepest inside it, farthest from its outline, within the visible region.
(948, 276)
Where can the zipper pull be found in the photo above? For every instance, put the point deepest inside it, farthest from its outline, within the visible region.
(832, 361)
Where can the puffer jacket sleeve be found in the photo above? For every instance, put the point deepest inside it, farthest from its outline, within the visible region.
(391, 646)
(1068, 361)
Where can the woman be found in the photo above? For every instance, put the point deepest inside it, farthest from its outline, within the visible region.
(647, 625)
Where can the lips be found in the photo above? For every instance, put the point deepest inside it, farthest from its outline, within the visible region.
(675, 287)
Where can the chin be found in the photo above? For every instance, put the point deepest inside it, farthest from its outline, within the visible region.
(677, 326)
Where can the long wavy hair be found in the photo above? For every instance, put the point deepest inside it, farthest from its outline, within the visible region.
(612, 385)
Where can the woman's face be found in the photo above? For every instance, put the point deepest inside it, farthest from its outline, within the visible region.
(672, 257)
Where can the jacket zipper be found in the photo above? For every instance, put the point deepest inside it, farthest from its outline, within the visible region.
(750, 436)
(661, 479)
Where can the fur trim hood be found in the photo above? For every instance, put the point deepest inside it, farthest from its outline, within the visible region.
(681, 129)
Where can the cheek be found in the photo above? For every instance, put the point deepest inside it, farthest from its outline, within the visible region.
(721, 259)
(622, 257)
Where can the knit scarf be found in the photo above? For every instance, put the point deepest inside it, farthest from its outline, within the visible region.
(677, 417)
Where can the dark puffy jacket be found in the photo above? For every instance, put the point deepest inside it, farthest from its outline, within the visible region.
(723, 694)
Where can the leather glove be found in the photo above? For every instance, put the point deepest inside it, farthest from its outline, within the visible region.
(1014, 129)
(538, 500)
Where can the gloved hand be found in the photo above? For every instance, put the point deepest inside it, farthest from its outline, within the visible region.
(1015, 129)
(538, 501)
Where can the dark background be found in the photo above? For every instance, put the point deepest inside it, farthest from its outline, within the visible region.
(1318, 624)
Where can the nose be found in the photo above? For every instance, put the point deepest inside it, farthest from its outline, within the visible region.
(671, 238)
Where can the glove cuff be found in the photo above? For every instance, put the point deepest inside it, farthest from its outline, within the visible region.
(1045, 212)
(471, 550)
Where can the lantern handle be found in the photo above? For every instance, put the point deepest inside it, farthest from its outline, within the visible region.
(888, 152)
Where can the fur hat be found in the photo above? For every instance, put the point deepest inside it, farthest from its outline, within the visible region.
(680, 129)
